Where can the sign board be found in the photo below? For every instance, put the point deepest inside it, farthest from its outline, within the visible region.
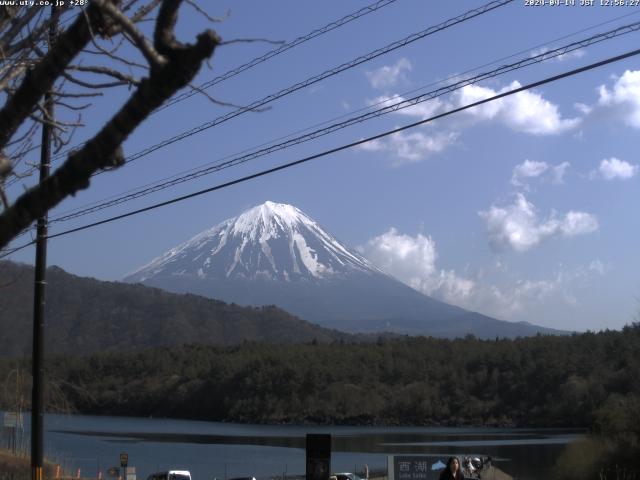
(124, 459)
(413, 467)
(131, 473)
(12, 419)
(318, 453)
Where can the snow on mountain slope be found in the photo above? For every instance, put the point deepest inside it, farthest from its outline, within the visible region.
(271, 241)
(276, 254)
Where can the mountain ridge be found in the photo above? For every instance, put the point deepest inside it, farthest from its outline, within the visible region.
(85, 315)
(276, 254)
(259, 225)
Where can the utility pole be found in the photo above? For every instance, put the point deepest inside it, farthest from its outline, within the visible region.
(37, 392)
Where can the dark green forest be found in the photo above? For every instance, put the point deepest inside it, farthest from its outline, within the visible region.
(86, 315)
(550, 381)
(585, 380)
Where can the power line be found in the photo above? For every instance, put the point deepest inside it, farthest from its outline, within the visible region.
(257, 104)
(33, 168)
(277, 51)
(196, 173)
(614, 19)
(405, 103)
(324, 153)
(250, 64)
(402, 95)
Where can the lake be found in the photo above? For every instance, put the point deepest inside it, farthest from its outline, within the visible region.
(223, 450)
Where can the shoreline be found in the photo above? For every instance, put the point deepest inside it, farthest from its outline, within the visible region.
(507, 425)
(18, 464)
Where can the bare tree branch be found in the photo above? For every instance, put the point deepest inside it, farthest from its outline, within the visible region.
(13, 73)
(225, 104)
(5, 170)
(144, 11)
(252, 40)
(42, 77)
(96, 86)
(3, 197)
(107, 71)
(57, 124)
(164, 39)
(5, 167)
(29, 132)
(8, 13)
(17, 24)
(206, 15)
(104, 149)
(153, 57)
(72, 107)
(34, 36)
(77, 94)
(111, 54)
(63, 142)
(128, 5)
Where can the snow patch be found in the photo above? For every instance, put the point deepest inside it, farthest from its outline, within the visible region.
(266, 231)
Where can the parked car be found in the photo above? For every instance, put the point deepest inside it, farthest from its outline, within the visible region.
(346, 476)
(171, 475)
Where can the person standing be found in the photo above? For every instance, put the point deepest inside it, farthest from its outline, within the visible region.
(452, 470)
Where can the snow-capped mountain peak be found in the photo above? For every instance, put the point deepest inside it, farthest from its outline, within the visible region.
(266, 220)
(275, 254)
(271, 241)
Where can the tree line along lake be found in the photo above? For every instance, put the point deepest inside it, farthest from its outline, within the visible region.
(224, 450)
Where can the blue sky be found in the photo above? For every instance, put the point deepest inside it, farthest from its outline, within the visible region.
(521, 209)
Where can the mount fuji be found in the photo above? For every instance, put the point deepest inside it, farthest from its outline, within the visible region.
(276, 254)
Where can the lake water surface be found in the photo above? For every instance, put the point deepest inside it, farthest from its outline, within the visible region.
(222, 450)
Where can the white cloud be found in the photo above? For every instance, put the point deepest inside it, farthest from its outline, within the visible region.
(578, 223)
(598, 266)
(583, 108)
(523, 294)
(624, 96)
(613, 168)
(507, 295)
(422, 110)
(412, 260)
(579, 53)
(373, 146)
(474, 93)
(528, 169)
(411, 147)
(533, 169)
(559, 172)
(518, 227)
(525, 112)
(389, 75)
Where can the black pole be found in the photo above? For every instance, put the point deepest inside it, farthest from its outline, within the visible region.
(318, 455)
(37, 391)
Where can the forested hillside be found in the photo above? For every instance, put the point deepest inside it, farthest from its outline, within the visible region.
(84, 315)
(542, 381)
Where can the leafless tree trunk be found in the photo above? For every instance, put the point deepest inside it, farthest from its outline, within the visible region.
(26, 73)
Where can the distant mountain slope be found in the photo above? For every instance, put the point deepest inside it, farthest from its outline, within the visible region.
(276, 254)
(85, 315)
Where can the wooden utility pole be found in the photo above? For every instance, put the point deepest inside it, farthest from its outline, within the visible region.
(37, 392)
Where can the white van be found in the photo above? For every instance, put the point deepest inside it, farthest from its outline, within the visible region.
(171, 475)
